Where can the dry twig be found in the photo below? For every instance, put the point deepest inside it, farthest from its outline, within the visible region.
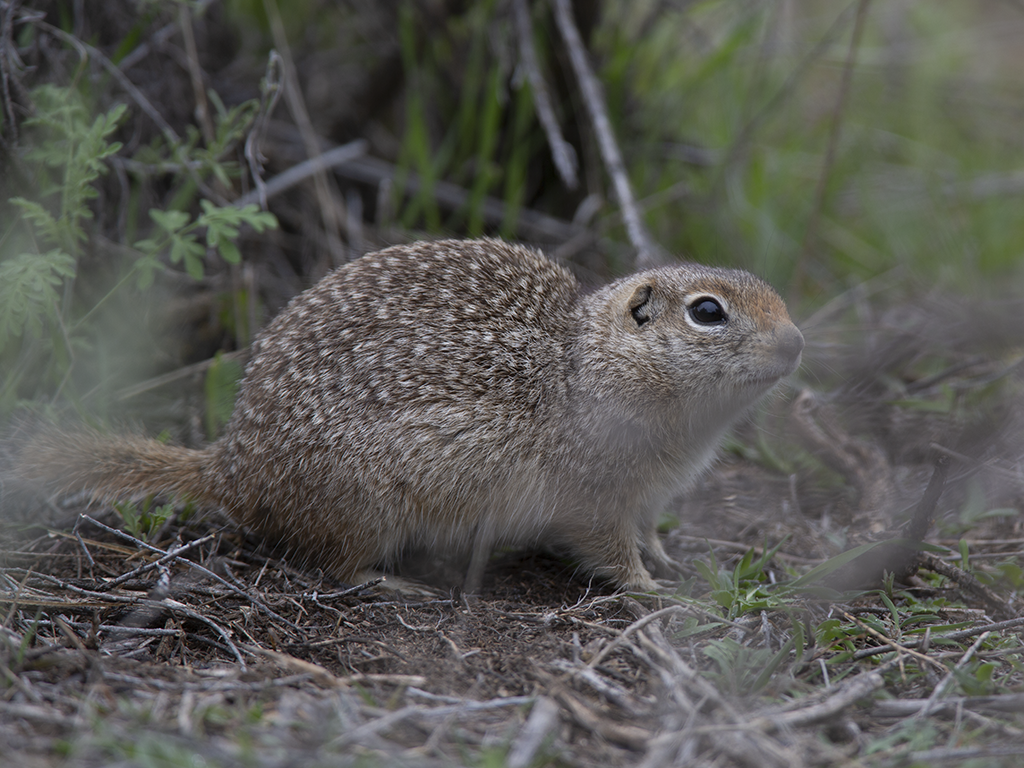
(543, 719)
(194, 566)
(943, 686)
(647, 254)
(562, 152)
(299, 173)
(270, 92)
(330, 203)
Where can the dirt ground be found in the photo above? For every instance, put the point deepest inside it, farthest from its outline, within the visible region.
(204, 646)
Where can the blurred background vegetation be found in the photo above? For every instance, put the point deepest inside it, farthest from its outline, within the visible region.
(824, 145)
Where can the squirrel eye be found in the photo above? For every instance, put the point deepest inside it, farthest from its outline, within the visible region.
(707, 311)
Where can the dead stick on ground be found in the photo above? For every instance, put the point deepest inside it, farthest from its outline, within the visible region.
(1000, 703)
(646, 256)
(892, 645)
(171, 555)
(605, 728)
(195, 566)
(174, 605)
(391, 719)
(167, 604)
(636, 625)
(728, 734)
(966, 581)
(943, 686)
(542, 720)
(847, 694)
(959, 755)
(962, 634)
(159, 605)
(683, 679)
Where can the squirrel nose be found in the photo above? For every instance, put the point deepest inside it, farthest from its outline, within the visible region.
(790, 343)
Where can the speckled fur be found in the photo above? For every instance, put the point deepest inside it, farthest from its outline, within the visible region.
(458, 392)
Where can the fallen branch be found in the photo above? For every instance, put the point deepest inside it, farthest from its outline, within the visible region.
(195, 566)
(957, 636)
(1009, 702)
(947, 681)
(844, 696)
(996, 607)
(542, 720)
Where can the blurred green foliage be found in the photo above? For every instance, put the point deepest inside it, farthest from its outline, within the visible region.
(927, 141)
(42, 329)
(724, 111)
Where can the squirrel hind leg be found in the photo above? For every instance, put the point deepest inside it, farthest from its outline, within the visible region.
(613, 552)
(483, 545)
(664, 566)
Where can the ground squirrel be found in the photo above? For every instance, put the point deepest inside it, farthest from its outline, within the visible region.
(466, 394)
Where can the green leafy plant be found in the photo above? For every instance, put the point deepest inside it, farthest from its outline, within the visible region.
(744, 589)
(479, 136)
(747, 587)
(178, 234)
(69, 153)
(742, 670)
(29, 294)
(143, 523)
(909, 735)
(976, 678)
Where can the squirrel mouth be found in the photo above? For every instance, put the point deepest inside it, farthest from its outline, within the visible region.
(774, 375)
(762, 382)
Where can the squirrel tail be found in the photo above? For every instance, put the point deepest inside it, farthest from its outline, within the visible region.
(116, 467)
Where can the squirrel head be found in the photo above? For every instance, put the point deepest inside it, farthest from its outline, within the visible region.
(712, 340)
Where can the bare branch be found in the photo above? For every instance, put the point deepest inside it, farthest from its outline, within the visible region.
(330, 205)
(562, 152)
(943, 686)
(593, 97)
(299, 173)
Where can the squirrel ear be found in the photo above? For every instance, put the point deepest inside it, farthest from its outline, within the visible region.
(641, 307)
